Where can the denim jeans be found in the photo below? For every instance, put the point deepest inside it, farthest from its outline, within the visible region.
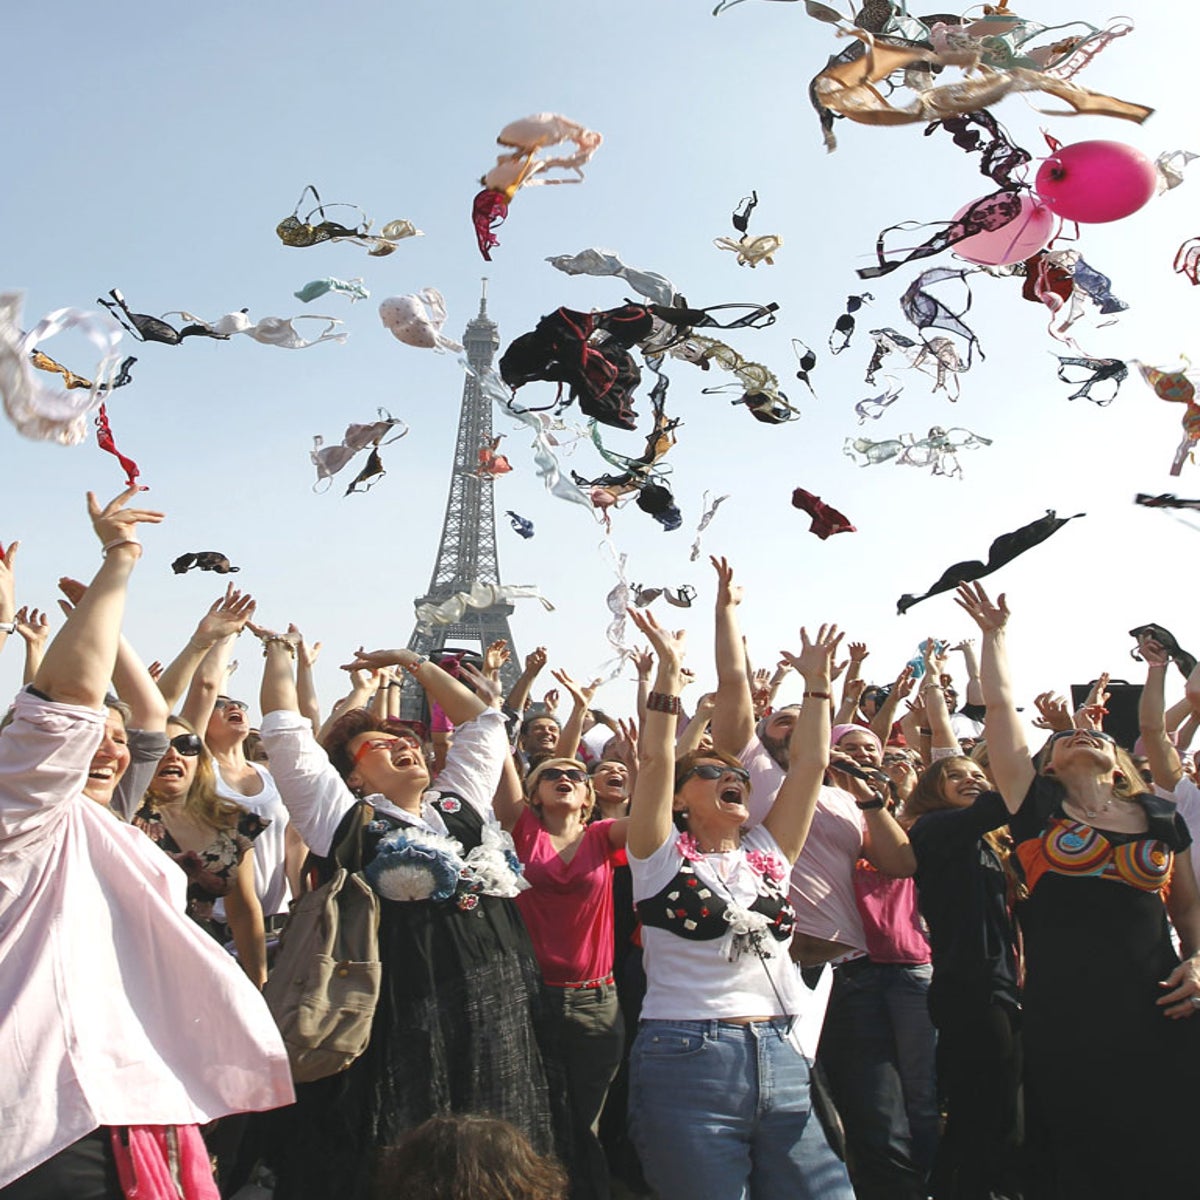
(720, 1111)
(878, 1049)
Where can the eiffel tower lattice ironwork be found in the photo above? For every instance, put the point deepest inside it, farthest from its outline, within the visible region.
(467, 550)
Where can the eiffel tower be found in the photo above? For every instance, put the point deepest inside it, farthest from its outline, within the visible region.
(467, 552)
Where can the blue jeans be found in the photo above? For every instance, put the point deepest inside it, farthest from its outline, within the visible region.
(720, 1111)
(878, 1051)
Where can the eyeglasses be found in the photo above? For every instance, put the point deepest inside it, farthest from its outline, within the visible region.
(715, 771)
(1099, 734)
(225, 702)
(187, 744)
(384, 744)
(574, 774)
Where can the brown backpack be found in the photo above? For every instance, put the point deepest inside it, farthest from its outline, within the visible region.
(324, 986)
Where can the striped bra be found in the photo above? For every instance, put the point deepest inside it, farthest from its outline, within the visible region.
(1072, 848)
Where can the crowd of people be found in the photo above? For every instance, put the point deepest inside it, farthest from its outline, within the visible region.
(869, 944)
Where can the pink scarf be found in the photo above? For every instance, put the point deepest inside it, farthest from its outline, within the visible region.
(163, 1162)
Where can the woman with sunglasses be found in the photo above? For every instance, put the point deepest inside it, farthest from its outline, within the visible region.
(210, 838)
(461, 1011)
(568, 910)
(1112, 1051)
(720, 1095)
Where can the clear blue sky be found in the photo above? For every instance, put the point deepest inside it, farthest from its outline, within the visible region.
(157, 152)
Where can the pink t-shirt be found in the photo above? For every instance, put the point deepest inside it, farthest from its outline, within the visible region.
(568, 907)
(891, 922)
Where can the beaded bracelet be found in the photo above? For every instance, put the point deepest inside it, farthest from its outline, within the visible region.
(664, 703)
(278, 639)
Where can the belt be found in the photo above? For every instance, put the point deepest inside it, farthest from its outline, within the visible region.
(589, 983)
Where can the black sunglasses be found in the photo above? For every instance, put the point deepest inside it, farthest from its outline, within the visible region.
(1096, 733)
(187, 744)
(715, 771)
(574, 774)
(226, 702)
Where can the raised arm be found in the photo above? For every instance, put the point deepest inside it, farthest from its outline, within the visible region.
(1162, 756)
(221, 625)
(791, 815)
(306, 688)
(884, 718)
(458, 702)
(733, 719)
(177, 677)
(78, 664)
(363, 685)
(1008, 754)
(696, 727)
(974, 694)
(535, 660)
(942, 740)
(8, 592)
(33, 625)
(654, 791)
(572, 730)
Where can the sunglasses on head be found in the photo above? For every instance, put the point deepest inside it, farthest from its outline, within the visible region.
(716, 771)
(187, 744)
(1094, 733)
(226, 702)
(554, 774)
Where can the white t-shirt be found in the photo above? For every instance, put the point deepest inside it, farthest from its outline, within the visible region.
(694, 980)
(823, 877)
(270, 847)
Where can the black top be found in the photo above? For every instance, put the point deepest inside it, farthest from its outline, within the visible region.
(963, 896)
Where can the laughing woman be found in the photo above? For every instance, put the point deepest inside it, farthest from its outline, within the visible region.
(1112, 1049)
(720, 1102)
(210, 838)
(456, 1029)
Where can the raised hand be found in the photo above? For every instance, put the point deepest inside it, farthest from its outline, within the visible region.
(728, 593)
(116, 525)
(625, 743)
(8, 583)
(816, 654)
(226, 616)
(857, 651)
(487, 687)
(990, 617)
(33, 625)
(550, 701)
(581, 695)
(367, 659)
(1054, 713)
(495, 656)
(935, 657)
(643, 660)
(668, 646)
(535, 660)
(307, 654)
(905, 682)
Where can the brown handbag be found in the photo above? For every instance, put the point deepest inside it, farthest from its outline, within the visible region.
(325, 983)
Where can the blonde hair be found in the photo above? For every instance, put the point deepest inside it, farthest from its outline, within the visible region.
(202, 800)
(535, 775)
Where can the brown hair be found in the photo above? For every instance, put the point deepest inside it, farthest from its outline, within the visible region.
(467, 1158)
(927, 797)
(353, 723)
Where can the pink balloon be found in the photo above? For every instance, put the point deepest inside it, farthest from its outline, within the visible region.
(1096, 181)
(1020, 239)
